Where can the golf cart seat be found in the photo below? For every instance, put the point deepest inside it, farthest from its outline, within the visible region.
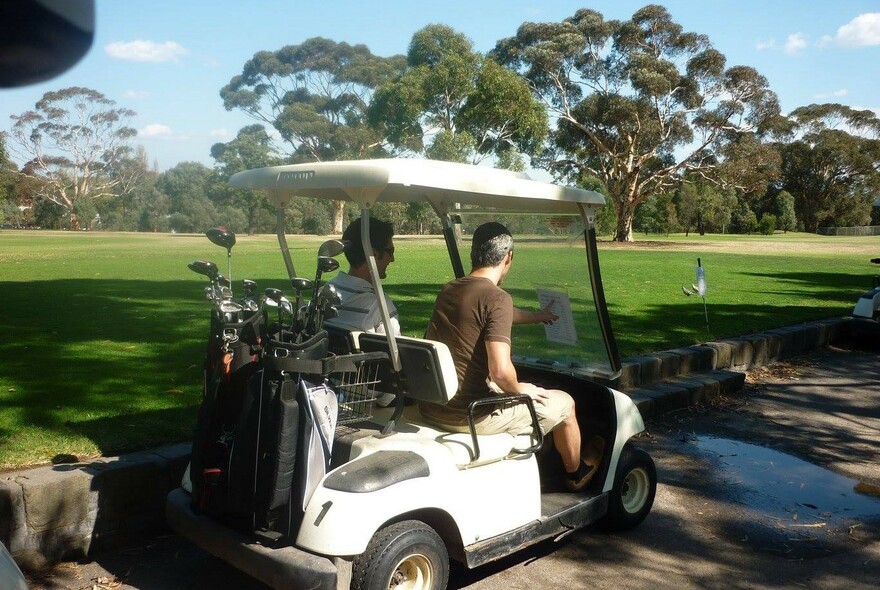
(431, 376)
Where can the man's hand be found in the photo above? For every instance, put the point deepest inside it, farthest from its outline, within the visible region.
(546, 316)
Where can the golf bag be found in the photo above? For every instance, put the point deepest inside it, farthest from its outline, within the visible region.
(231, 360)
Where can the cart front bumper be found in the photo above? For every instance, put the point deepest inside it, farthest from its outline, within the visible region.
(283, 568)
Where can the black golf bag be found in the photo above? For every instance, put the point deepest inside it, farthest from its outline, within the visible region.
(231, 360)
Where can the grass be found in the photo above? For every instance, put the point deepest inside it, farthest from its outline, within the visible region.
(104, 333)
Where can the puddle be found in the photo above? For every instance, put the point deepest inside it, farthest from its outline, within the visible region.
(786, 487)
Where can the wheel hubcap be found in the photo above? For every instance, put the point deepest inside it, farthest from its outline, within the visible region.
(635, 490)
(415, 572)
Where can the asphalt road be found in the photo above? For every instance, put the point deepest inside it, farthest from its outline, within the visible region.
(777, 487)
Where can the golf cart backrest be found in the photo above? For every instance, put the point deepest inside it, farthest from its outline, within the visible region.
(427, 365)
(343, 340)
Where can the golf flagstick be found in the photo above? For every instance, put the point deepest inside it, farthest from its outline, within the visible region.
(701, 289)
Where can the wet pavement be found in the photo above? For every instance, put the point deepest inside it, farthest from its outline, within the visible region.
(774, 487)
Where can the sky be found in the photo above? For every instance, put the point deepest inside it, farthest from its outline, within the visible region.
(168, 59)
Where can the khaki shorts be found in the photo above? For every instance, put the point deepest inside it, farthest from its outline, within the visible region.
(516, 418)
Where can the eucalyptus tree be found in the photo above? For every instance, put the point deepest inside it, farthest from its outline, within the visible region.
(832, 166)
(251, 148)
(315, 96)
(76, 141)
(452, 103)
(638, 103)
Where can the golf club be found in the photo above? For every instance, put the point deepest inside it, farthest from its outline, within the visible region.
(299, 285)
(224, 238)
(325, 264)
(276, 297)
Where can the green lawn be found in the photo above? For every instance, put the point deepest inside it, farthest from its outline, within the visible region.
(104, 332)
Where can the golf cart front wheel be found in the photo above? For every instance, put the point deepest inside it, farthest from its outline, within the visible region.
(632, 496)
(407, 555)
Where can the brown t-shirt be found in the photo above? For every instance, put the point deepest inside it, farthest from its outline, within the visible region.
(468, 312)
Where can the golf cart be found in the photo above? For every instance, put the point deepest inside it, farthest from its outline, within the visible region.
(376, 498)
(866, 313)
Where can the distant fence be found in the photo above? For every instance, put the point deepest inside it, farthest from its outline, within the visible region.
(863, 230)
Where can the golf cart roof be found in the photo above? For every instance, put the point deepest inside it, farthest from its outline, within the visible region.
(443, 184)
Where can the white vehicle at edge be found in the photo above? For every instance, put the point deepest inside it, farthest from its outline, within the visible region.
(401, 498)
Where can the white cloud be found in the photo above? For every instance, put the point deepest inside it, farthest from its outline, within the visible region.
(862, 31)
(156, 130)
(768, 44)
(836, 94)
(825, 41)
(145, 51)
(795, 43)
(136, 94)
(220, 133)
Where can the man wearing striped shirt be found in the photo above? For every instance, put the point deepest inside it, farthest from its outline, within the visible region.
(359, 309)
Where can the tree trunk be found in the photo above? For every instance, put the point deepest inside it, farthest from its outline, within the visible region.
(624, 231)
(74, 221)
(338, 216)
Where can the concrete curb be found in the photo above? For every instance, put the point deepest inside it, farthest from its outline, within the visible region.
(67, 511)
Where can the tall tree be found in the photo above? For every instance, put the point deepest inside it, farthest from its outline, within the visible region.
(74, 138)
(638, 103)
(251, 148)
(187, 186)
(315, 96)
(832, 167)
(454, 104)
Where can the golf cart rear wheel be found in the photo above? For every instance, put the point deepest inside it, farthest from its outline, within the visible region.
(632, 496)
(407, 555)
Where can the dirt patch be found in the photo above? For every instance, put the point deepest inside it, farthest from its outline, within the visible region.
(779, 244)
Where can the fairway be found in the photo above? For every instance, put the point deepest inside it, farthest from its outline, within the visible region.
(105, 332)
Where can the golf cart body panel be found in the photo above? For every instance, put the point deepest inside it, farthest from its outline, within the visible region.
(487, 496)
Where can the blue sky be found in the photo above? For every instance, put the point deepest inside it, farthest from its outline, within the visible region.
(168, 59)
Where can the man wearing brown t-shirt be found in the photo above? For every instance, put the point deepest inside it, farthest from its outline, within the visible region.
(473, 317)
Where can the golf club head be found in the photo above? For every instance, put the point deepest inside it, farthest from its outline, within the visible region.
(230, 307)
(224, 282)
(329, 295)
(222, 237)
(204, 268)
(332, 248)
(286, 306)
(250, 287)
(273, 294)
(300, 284)
(327, 264)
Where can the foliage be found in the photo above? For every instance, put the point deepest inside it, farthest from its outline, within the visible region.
(639, 103)
(315, 95)
(743, 220)
(767, 225)
(251, 148)
(831, 167)
(77, 142)
(471, 106)
(786, 218)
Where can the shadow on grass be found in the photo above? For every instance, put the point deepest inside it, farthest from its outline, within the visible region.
(119, 361)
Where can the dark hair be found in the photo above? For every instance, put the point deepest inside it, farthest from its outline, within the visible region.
(490, 244)
(381, 233)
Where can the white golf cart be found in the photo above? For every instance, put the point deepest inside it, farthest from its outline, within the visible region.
(399, 497)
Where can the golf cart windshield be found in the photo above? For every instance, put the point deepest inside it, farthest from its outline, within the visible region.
(580, 341)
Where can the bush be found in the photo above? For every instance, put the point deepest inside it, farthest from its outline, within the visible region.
(767, 225)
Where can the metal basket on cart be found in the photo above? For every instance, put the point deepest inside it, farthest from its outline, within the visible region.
(353, 377)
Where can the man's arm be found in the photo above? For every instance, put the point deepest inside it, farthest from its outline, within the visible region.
(545, 316)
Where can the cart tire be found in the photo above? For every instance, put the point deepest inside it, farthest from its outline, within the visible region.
(408, 555)
(632, 496)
